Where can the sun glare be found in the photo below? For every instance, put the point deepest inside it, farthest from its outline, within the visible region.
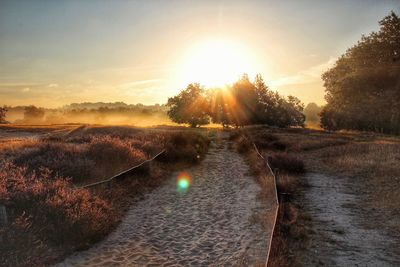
(216, 63)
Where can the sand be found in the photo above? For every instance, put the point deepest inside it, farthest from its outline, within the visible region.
(211, 224)
(341, 236)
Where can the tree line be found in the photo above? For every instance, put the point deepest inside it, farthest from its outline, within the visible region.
(242, 103)
(363, 88)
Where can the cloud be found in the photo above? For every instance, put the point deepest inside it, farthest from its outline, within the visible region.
(139, 83)
(309, 75)
(26, 89)
(53, 85)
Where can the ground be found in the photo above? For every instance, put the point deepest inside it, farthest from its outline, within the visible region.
(349, 195)
(341, 233)
(212, 223)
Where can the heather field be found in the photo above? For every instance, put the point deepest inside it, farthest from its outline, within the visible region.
(49, 214)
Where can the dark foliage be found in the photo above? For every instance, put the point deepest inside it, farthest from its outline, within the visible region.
(243, 103)
(3, 111)
(185, 147)
(284, 162)
(363, 88)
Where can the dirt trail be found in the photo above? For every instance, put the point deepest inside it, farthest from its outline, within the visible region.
(341, 238)
(210, 224)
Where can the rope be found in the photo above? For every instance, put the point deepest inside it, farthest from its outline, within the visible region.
(276, 196)
(123, 172)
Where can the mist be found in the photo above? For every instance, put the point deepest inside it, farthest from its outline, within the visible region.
(91, 113)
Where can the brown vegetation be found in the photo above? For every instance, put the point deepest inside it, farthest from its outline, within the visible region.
(370, 159)
(48, 216)
(290, 233)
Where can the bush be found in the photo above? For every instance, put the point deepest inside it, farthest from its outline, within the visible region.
(287, 163)
(243, 144)
(65, 159)
(111, 150)
(186, 147)
(47, 210)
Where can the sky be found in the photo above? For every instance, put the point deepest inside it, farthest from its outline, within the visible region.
(53, 53)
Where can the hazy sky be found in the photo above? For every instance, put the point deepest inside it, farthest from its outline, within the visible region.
(57, 52)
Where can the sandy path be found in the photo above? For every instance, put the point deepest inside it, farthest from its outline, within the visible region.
(341, 238)
(210, 224)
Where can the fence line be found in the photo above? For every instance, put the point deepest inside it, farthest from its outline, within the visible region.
(266, 162)
(119, 175)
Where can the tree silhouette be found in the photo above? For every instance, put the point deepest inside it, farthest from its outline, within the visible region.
(3, 111)
(244, 104)
(312, 112)
(33, 114)
(363, 88)
(190, 106)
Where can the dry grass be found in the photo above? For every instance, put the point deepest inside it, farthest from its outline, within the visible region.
(45, 209)
(49, 217)
(290, 233)
(371, 159)
(375, 166)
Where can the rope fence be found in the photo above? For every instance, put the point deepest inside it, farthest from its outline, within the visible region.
(274, 179)
(124, 173)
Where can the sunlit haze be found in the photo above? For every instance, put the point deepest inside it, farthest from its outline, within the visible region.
(215, 62)
(53, 53)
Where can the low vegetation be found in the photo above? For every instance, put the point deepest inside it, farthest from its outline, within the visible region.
(370, 159)
(103, 113)
(49, 216)
(290, 234)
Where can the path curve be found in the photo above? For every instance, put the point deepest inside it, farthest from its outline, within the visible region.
(340, 238)
(211, 224)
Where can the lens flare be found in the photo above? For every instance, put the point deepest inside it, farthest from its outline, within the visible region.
(183, 182)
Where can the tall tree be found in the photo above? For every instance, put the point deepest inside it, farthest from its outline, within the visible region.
(312, 112)
(244, 102)
(363, 88)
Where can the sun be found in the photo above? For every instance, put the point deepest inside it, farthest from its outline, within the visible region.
(215, 63)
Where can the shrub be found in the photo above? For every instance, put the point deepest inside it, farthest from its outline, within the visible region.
(287, 163)
(65, 159)
(111, 150)
(186, 147)
(50, 208)
(243, 144)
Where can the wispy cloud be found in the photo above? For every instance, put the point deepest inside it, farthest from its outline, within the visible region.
(309, 75)
(140, 83)
(53, 85)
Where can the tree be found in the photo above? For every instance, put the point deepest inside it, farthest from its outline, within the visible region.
(3, 111)
(219, 108)
(312, 112)
(363, 88)
(246, 103)
(190, 106)
(33, 114)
